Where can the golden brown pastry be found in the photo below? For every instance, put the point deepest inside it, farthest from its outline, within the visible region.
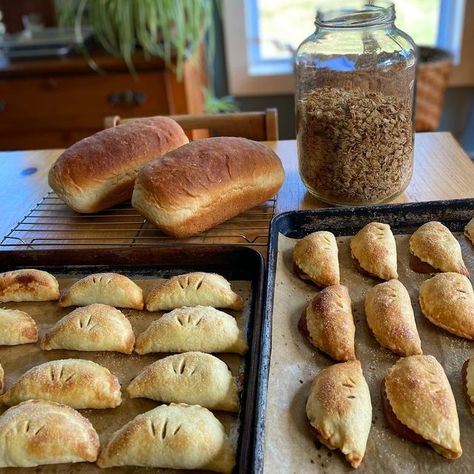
(434, 244)
(419, 404)
(105, 288)
(328, 323)
(193, 289)
(375, 250)
(390, 317)
(40, 432)
(340, 411)
(316, 258)
(468, 381)
(2, 379)
(469, 230)
(447, 300)
(171, 436)
(193, 377)
(17, 327)
(28, 285)
(97, 327)
(199, 328)
(74, 382)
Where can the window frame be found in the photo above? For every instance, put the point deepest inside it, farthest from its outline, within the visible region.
(247, 75)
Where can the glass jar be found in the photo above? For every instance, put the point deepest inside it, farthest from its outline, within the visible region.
(355, 84)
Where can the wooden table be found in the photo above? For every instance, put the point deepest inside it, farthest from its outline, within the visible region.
(442, 171)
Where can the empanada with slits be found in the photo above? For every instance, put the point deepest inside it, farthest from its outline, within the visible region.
(39, 432)
(328, 323)
(419, 404)
(199, 328)
(193, 377)
(193, 289)
(434, 244)
(105, 288)
(390, 317)
(75, 382)
(469, 230)
(17, 327)
(340, 411)
(375, 250)
(28, 285)
(171, 436)
(447, 300)
(316, 258)
(97, 327)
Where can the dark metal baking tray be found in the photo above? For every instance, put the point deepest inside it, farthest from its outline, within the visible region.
(403, 219)
(233, 262)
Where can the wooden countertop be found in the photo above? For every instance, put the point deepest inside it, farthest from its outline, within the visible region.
(442, 171)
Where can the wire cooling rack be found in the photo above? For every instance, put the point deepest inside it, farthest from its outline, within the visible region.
(51, 224)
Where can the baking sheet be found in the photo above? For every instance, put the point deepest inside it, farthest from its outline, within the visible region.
(289, 446)
(18, 359)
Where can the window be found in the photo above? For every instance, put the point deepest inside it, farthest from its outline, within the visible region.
(262, 35)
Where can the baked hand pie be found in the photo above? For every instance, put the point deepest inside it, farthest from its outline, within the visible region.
(193, 289)
(315, 258)
(105, 288)
(469, 230)
(328, 323)
(434, 244)
(28, 285)
(2, 379)
(340, 411)
(419, 405)
(193, 377)
(171, 436)
(39, 432)
(375, 250)
(390, 317)
(17, 327)
(199, 328)
(97, 327)
(468, 381)
(75, 382)
(447, 300)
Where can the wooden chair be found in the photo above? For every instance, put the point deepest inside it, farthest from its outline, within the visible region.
(261, 126)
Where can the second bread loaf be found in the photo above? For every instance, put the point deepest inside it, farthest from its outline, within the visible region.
(99, 171)
(206, 182)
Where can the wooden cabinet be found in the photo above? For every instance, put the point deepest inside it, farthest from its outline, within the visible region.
(52, 103)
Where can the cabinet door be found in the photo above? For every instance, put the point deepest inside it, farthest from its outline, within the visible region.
(54, 112)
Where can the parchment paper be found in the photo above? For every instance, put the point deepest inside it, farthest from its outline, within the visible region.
(289, 445)
(16, 360)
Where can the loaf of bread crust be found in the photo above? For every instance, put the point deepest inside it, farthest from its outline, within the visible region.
(206, 182)
(99, 171)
